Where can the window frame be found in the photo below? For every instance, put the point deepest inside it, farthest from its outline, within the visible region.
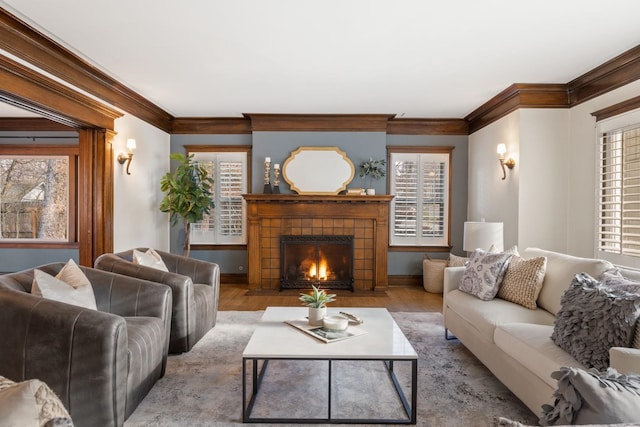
(420, 150)
(247, 149)
(73, 153)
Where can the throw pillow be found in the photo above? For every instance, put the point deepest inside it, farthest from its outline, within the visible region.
(484, 273)
(31, 402)
(150, 258)
(614, 279)
(592, 397)
(592, 319)
(70, 286)
(457, 261)
(523, 281)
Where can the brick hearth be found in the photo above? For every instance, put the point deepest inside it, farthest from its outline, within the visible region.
(366, 218)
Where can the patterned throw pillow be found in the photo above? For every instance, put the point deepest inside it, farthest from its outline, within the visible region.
(592, 319)
(613, 279)
(484, 273)
(457, 261)
(523, 281)
(150, 258)
(70, 286)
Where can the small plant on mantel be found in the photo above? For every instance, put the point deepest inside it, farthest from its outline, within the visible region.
(317, 298)
(374, 169)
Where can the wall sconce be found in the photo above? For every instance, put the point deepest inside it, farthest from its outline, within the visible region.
(510, 163)
(122, 157)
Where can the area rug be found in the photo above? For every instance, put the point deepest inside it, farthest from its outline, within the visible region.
(204, 386)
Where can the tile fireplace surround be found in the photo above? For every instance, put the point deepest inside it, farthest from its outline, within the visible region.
(366, 218)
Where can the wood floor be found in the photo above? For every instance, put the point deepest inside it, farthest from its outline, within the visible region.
(238, 297)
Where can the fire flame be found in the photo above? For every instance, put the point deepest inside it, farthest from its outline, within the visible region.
(322, 273)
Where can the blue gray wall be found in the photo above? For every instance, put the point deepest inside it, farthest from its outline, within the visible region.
(358, 146)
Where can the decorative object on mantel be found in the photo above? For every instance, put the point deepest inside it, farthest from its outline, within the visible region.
(267, 175)
(188, 194)
(318, 170)
(276, 178)
(317, 301)
(373, 169)
(356, 192)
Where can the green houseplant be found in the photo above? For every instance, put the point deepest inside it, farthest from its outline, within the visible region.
(373, 169)
(317, 301)
(187, 194)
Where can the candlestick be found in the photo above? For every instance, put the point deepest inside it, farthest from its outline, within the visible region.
(267, 175)
(276, 179)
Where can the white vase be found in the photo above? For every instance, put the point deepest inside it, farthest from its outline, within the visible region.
(316, 315)
(371, 191)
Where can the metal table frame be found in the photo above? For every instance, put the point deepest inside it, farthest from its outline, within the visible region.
(257, 374)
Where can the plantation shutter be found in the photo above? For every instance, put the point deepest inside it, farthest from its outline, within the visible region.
(420, 211)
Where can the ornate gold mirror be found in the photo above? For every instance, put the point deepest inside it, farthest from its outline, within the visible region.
(318, 170)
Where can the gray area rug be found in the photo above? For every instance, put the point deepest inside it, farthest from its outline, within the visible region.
(204, 387)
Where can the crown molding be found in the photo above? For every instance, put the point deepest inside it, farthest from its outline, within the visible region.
(211, 125)
(319, 122)
(619, 108)
(411, 126)
(24, 88)
(21, 40)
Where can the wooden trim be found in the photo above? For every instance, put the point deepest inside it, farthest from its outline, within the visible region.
(23, 41)
(31, 124)
(430, 249)
(617, 72)
(405, 281)
(399, 126)
(619, 108)
(319, 122)
(518, 95)
(233, 279)
(211, 125)
(22, 87)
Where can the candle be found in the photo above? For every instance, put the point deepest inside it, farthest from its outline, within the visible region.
(276, 166)
(267, 159)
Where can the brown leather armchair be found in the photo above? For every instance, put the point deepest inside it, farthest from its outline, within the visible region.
(195, 285)
(100, 363)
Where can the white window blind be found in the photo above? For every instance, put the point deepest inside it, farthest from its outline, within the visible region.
(225, 223)
(420, 208)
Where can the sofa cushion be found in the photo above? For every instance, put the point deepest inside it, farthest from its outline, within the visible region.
(561, 269)
(594, 318)
(150, 258)
(592, 397)
(523, 280)
(70, 286)
(484, 316)
(532, 347)
(483, 274)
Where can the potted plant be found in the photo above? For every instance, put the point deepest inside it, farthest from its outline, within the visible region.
(188, 194)
(317, 301)
(374, 169)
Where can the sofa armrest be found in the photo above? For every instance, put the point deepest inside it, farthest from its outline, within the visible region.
(625, 360)
(452, 277)
(81, 354)
(201, 272)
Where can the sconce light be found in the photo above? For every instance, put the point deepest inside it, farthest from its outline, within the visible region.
(122, 157)
(510, 163)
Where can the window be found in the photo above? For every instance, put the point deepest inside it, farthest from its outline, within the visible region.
(619, 195)
(225, 224)
(37, 194)
(419, 179)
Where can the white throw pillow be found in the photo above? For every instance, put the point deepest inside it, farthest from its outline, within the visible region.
(484, 273)
(70, 286)
(18, 406)
(150, 258)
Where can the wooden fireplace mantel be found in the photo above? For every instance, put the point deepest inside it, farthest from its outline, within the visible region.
(366, 218)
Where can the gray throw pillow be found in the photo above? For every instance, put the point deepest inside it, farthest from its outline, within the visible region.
(592, 319)
(592, 397)
(484, 273)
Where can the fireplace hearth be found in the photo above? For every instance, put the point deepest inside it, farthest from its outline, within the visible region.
(325, 261)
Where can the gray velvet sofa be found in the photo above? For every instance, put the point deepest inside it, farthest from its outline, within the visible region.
(195, 285)
(102, 363)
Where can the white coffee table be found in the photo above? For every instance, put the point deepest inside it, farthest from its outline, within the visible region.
(274, 339)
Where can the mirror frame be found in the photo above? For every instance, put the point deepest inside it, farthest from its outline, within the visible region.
(318, 170)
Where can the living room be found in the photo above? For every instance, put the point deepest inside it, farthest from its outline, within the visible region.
(548, 200)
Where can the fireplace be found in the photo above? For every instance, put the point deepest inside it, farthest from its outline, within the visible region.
(325, 261)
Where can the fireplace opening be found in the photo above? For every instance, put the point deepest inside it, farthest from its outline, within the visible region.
(325, 261)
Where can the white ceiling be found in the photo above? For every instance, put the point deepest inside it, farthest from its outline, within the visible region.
(414, 58)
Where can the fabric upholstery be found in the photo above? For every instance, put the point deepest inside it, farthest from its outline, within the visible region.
(594, 318)
(194, 308)
(523, 281)
(82, 355)
(457, 261)
(150, 258)
(47, 286)
(484, 273)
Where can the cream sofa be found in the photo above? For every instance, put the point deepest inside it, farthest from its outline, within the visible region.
(515, 342)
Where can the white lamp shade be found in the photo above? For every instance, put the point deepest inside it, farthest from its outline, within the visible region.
(482, 235)
(131, 144)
